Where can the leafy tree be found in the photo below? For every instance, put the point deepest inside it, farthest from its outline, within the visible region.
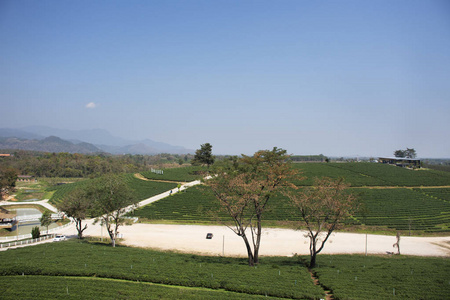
(408, 153)
(8, 178)
(203, 156)
(35, 232)
(244, 187)
(46, 219)
(76, 205)
(110, 196)
(399, 153)
(322, 207)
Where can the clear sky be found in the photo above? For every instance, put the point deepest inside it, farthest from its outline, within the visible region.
(339, 78)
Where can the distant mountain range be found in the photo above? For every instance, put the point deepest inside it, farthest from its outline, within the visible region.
(39, 138)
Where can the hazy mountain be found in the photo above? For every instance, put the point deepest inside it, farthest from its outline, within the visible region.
(11, 132)
(93, 136)
(100, 138)
(48, 144)
(142, 148)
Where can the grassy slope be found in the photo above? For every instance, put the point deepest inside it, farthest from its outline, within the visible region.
(275, 276)
(371, 174)
(372, 277)
(62, 287)
(349, 276)
(143, 189)
(181, 174)
(398, 208)
(421, 209)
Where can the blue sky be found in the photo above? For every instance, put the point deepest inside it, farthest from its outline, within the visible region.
(333, 77)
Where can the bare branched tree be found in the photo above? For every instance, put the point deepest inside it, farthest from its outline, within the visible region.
(111, 196)
(322, 207)
(244, 187)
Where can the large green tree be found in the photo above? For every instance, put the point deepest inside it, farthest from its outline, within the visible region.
(243, 188)
(203, 156)
(111, 198)
(76, 205)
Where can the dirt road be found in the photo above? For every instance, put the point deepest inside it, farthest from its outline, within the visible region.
(275, 241)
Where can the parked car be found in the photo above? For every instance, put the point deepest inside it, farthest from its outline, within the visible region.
(209, 236)
(59, 238)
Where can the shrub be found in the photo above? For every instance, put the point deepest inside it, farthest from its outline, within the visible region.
(35, 232)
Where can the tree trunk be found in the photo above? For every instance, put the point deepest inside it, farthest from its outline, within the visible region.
(312, 262)
(79, 229)
(111, 233)
(312, 251)
(251, 260)
(258, 241)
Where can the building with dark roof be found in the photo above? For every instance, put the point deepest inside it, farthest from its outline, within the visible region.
(401, 161)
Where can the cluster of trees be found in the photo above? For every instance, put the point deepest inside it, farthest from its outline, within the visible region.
(8, 178)
(245, 185)
(408, 153)
(107, 198)
(42, 164)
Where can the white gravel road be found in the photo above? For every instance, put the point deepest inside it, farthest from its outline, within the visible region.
(275, 241)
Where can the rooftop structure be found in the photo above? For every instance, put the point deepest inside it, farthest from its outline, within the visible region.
(401, 161)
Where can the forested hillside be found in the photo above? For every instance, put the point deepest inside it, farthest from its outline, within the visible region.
(43, 164)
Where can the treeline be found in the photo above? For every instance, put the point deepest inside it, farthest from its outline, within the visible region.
(309, 158)
(43, 164)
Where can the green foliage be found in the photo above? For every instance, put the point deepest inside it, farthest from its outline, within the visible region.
(77, 205)
(46, 218)
(185, 174)
(52, 287)
(42, 164)
(308, 158)
(35, 232)
(280, 277)
(203, 156)
(408, 153)
(371, 277)
(8, 177)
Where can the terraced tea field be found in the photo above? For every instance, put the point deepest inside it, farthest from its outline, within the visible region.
(81, 270)
(373, 174)
(182, 174)
(143, 189)
(386, 204)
